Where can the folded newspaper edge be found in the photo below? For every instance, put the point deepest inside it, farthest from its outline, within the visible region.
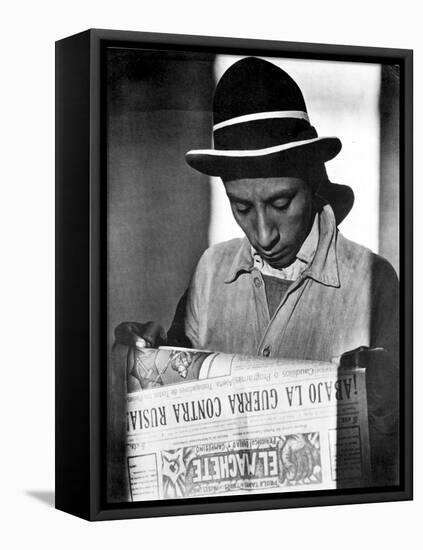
(213, 424)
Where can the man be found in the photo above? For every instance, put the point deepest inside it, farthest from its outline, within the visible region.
(294, 287)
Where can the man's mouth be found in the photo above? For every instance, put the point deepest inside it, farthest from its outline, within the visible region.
(278, 259)
(274, 255)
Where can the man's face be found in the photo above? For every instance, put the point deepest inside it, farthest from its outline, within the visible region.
(274, 213)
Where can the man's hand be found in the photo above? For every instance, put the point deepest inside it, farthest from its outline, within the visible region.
(382, 406)
(381, 383)
(140, 335)
(137, 336)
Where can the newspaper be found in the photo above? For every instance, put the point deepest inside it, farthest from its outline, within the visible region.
(244, 425)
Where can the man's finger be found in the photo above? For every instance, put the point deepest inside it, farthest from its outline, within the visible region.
(154, 334)
(127, 333)
(140, 335)
(140, 343)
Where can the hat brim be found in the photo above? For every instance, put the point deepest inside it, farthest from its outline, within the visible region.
(264, 162)
(340, 197)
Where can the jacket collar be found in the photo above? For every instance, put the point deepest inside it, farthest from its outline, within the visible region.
(324, 265)
(309, 246)
(243, 261)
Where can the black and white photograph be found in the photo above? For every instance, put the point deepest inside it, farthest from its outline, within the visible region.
(210, 298)
(253, 275)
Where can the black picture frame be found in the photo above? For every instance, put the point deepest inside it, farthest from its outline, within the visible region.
(81, 286)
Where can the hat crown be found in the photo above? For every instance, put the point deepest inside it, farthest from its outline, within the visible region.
(253, 85)
(261, 126)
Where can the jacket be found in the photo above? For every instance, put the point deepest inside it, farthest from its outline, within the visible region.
(347, 297)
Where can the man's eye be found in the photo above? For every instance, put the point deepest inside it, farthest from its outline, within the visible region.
(242, 208)
(281, 205)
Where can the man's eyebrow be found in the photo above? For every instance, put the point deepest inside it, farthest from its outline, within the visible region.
(281, 194)
(234, 198)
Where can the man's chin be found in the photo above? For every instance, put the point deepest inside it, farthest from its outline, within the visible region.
(281, 263)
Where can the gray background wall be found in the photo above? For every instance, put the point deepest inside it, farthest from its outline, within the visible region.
(158, 207)
(389, 165)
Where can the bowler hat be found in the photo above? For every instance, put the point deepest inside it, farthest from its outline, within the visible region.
(261, 128)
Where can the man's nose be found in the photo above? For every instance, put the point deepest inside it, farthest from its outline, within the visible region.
(267, 232)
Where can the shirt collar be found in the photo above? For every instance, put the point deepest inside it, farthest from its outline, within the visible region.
(318, 251)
